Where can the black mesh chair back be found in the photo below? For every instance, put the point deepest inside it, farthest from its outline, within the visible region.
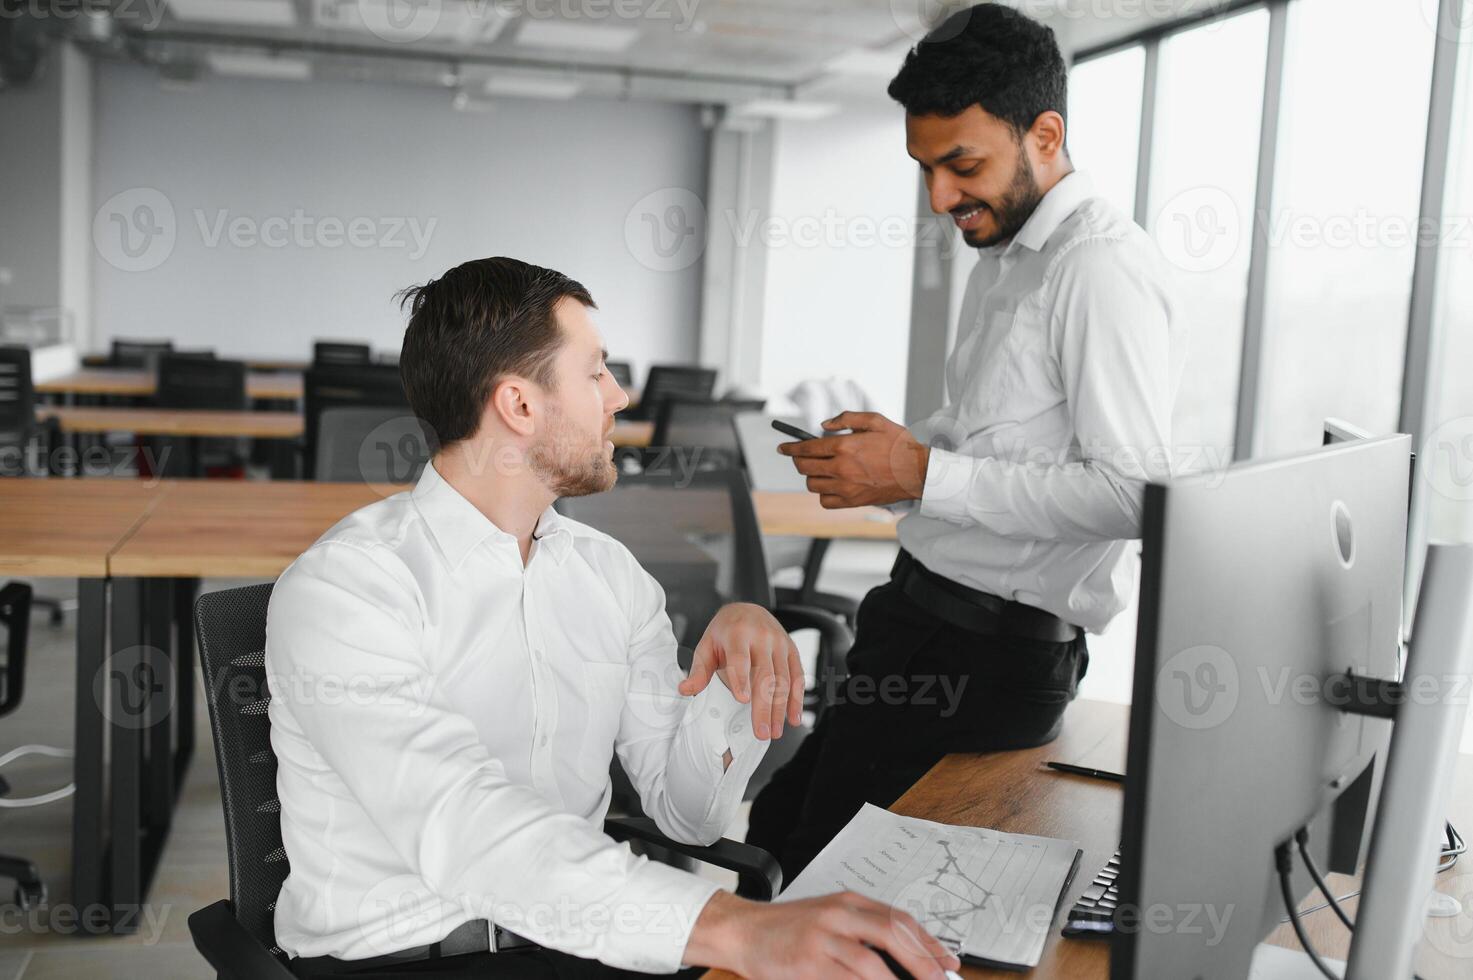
(673, 381)
(374, 445)
(15, 616)
(697, 534)
(200, 354)
(340, 352)
(200, 382)
(702, 426)
(346, 386)
(138, 353)
(231, 626)
(17, 397)
(622, 372)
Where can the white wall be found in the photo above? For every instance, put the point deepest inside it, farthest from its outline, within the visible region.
(840, 255)
(216, 170)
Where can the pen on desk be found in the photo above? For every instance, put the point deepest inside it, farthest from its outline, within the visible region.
(1105, 774)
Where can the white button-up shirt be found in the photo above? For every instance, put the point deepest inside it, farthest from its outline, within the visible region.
(444, 720)
(1068, 356)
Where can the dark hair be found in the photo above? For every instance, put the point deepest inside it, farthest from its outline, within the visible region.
(987, 55)
(479, 322)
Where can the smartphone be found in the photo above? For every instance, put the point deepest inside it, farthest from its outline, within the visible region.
(791, 430)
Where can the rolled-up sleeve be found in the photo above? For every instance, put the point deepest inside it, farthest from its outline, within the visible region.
(349, 618)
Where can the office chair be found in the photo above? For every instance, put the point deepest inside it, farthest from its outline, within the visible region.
(371, 445)
(345, 386)
(18, 426)
(702, 429)
(138, 353)
(198, 354)
(199, 383)
(340, 352)
(697, 535)
(237, 935)
(15, 616)
(672, 381)
(622, 371)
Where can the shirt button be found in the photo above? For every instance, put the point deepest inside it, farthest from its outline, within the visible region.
(542, 741)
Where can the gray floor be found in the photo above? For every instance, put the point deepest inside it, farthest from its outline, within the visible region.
(51, 944)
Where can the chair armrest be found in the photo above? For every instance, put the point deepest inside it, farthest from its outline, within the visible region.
(830, 625)
(759, 873)
(232, 951)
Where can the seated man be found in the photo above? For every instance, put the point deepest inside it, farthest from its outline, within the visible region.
(453, 667)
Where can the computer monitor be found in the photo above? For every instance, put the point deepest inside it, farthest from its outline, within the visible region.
(1260, 586)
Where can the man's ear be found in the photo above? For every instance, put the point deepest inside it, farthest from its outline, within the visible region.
(515, 404)
(1047, 136)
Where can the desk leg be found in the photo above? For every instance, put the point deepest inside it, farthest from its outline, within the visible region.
(130, 682)
(89, 843)
(186, 591)
(159, 783)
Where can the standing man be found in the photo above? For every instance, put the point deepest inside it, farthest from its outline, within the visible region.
(1067, 359)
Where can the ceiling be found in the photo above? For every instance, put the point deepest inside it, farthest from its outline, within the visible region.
(702, 51)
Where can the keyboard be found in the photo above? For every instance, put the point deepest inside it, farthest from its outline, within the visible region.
(1094, 914)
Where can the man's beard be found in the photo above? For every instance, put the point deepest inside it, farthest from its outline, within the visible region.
(567, 463)
(1015, 208)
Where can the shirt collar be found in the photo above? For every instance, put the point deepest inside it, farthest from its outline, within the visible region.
(459, 528)
(1062, 200)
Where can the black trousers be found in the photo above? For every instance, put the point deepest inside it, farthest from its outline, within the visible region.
(517, 964)
(918, 688)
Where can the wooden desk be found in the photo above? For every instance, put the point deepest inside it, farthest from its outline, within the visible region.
(264, 364)
(801, 515)
(68, 528)
(124, 382)
(203, 422)
(1009, 791)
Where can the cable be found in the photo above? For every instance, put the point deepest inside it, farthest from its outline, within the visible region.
(1283, 861)
(45, 798)
(1302, 840)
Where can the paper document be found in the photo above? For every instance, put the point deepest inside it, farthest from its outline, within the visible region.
(989, 896)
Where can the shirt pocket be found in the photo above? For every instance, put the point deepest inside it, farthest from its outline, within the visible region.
(604, 691)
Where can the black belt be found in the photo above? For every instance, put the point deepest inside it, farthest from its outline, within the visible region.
(975, 610)
(469, 937)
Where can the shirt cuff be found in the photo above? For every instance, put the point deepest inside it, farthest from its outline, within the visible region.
(722, 722)
(948, 486)
(650, 933)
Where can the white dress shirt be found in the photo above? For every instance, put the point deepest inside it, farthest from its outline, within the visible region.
(444, 719)
(1068, 356)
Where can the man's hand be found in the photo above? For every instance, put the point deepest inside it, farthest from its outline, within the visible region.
(813, 938)
(880, 463)
(756, 660)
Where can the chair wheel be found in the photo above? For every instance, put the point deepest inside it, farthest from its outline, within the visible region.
(57, 616)
(30, 894)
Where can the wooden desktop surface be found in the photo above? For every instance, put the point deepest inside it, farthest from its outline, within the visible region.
(230, 528)
(129, 382)
(68, 528)
(226, 424)
(263, 364)
(1010, 791)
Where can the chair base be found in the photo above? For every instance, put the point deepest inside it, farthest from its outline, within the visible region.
(30, 890)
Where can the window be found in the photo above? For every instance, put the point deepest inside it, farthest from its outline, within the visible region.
(1104, 127)
(1343, 222)
(1204, 164)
